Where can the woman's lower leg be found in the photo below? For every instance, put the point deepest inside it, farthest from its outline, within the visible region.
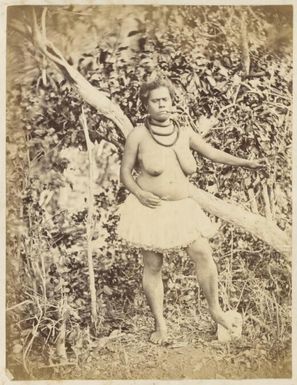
(154, 292)
(207, 276)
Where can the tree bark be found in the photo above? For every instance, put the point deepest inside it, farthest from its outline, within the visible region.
(266, 199)
(90, 226)
(255, 224)
(245, 55)
(253, 201)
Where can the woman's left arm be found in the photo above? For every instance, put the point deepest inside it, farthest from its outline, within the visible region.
(205, 149)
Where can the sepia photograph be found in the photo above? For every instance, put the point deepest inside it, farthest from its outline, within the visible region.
(148, 175)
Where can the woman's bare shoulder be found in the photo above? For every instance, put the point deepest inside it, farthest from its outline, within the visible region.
(137, 133)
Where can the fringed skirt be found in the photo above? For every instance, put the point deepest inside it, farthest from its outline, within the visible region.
(171, 226)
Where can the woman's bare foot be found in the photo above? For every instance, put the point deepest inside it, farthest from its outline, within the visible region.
(159, 336)
(228, 322)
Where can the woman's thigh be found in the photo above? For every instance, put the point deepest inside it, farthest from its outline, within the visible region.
(200, 250)
(152, 260)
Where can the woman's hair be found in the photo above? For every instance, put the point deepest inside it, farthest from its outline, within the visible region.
(151, 85)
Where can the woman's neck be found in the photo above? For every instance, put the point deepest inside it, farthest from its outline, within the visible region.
(159, 123)
(167, 128)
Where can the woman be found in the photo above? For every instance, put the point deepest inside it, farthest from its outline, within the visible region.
(159, 215)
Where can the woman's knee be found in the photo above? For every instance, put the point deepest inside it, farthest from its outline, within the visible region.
(152, 262)
(200, 251)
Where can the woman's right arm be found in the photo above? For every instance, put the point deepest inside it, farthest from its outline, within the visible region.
(128, 163)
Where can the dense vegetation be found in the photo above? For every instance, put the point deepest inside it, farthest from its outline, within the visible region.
(234, 63)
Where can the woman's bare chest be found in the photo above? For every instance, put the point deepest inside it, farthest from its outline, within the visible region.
(156, 159)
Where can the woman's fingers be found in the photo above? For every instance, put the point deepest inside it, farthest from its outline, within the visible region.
(149, 199)
(154, 200)
(263, 163)
(155, 203)
(260, 163)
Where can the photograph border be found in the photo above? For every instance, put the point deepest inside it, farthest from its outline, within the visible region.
(4, 373)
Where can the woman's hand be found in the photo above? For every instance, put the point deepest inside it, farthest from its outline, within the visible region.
(148, 199)
(257, 164)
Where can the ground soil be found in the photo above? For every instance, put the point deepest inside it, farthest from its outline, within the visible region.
(193, 352)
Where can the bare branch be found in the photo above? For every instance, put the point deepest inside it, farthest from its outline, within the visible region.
(90, 226)
(43, 20)
(245, 55)
(267, 205)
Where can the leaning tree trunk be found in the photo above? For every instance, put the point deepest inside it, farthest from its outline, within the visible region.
(258, 225)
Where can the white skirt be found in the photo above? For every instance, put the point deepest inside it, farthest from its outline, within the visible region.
(171, 226)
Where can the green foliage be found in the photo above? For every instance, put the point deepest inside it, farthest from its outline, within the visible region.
(199, 49)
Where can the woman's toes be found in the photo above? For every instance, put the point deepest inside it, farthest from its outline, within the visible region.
(158, 337)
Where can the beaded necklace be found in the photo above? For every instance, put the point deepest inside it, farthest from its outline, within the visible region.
(153, 134)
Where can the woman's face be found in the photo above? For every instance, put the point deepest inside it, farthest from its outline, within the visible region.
(159, 104)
